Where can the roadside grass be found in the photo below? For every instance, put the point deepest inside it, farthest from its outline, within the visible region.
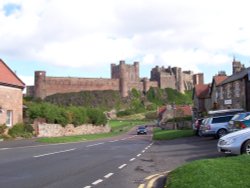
(117, 127)
(225, 172)
(159, 134)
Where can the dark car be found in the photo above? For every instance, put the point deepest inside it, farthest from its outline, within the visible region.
(142, 130)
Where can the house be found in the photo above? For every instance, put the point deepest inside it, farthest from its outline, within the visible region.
(11, 96)
(234, 92)
(202, 100)
(217, 79)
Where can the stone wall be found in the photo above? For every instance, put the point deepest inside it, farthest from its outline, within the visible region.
(56, 130)
(11, 99)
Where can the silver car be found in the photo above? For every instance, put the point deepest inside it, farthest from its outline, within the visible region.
(235, 143)
(215, 126)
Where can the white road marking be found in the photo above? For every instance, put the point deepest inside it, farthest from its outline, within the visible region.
(122, 166)
(132, 159)
(108, 175)
(143, 151)
(95, 144)
(138, 155)
(4, 148)
(54, 153)
(97, 182)
(87, 187)
(113, 141)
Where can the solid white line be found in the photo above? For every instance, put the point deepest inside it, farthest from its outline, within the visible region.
(97, 182)
(122, 166)
(87, 187)
(54, 153)
(143, 151)
(108, 175)
(138, 155)
(95, 144)
(132, 159)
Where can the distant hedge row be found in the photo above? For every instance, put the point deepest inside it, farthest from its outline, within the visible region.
(65, 115)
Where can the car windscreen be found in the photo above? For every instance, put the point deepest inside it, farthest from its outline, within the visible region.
(239, 116)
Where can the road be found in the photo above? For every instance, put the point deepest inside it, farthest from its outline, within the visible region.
(122, 161)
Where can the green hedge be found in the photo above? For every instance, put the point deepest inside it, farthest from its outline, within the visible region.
(65, 115)
(21, 130)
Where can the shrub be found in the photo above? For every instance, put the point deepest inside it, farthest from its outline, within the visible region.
(151, 115)
(96, 117)
(2, 128)
(21, 130)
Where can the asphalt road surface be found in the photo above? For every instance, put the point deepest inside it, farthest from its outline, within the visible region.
(122, 161)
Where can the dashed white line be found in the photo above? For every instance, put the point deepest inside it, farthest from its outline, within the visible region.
(97, 182)
(108, 175)
(87, 187)
(122, 166)
(4, 148)
(54, 153)
(138, 155)
(112, 141)
(95, 144)
(132, 159)
(143, 151)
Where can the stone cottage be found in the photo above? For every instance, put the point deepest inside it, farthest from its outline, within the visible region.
(11, 96)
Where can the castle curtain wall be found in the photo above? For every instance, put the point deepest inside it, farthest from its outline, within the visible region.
(53, 85)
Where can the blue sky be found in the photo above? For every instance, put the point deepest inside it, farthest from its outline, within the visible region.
(78, 38)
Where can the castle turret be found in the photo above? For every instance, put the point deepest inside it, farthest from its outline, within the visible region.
(146, 85)
(123, 80)
(198, 79)
(40, 84)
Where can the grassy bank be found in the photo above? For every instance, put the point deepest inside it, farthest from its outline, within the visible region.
(117, 127)
(171, 134)
(226, 172)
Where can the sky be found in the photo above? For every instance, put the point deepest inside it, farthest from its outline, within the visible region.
(81, 38)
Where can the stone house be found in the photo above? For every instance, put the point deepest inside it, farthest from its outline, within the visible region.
(201, 99)
(11, 96)
(214, 92)
(234, 92)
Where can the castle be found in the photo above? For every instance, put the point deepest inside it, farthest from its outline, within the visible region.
(124, 78)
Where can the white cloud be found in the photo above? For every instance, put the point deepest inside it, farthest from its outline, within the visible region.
(81, 33)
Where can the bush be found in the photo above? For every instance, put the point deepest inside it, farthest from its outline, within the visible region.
(2, 128)
(96, 117)
(21, 130)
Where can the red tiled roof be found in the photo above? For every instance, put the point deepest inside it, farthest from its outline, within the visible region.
(187, 110)
(219, 79)
(8, 77)
(202, 90)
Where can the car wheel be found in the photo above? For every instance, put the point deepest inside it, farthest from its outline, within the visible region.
(246, 147)
(221, 133)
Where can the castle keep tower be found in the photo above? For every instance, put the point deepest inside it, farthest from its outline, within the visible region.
(128, 76)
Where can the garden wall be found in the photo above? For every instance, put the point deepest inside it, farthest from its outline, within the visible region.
(56, 130)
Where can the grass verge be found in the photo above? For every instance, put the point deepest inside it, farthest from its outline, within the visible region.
(226, 172)
(171, 134)
(117, 127)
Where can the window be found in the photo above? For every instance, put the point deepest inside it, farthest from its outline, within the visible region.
(9, 118)
(237, 89)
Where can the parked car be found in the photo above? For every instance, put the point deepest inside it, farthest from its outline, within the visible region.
(215, 126)
(142, 130)
(232, 111)
(235, 143)
(239, 121)
(196, 125)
